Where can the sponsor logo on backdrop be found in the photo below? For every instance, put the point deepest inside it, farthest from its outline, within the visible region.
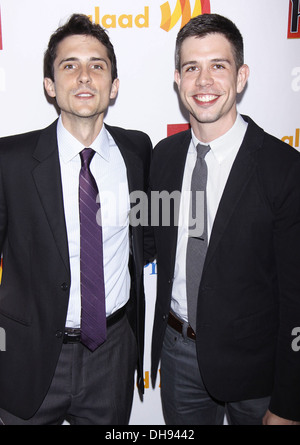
(151, 268)
(1, 44)
(182, 10)
(147, 379)
(293, 140)
(169, 19)
(176, 128)
(122, 21)
(294, 20)
(296, 79)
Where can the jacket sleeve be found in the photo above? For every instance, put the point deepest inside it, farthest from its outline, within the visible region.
(285, 400)
(3, 209)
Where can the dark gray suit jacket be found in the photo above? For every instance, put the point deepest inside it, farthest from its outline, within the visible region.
(34, 292)
(249, 295)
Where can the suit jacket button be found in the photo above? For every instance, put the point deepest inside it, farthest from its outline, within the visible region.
(58, 334)
(64, 287)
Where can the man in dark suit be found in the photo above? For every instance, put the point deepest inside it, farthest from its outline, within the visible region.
(54, 368)
(228, 297)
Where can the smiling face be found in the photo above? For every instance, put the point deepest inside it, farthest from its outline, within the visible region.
(208, 83)
(82, 83)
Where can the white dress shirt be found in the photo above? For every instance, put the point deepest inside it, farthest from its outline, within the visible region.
(219, 161)
(109, 171)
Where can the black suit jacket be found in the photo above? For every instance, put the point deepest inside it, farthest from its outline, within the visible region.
(249, 295)
(34, 292)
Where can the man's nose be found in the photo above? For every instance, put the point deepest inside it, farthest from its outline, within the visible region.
(204, 78)
(84, 75)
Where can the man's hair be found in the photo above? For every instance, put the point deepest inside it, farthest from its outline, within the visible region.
(78, 24)
(206, 24)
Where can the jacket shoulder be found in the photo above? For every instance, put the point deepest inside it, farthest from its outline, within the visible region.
(135, 136)
(271, 147)
(167, 148)
(281, 149)
(25, 141)
(175, 139)
(277, 163)
(19, 140)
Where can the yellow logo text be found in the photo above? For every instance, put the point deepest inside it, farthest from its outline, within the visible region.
(123, 20)
(291, 140)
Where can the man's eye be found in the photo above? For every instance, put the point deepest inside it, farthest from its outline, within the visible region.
(191, 68)
(219, 67)
(69, 67)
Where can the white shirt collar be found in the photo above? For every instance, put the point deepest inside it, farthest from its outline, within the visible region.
(224, 145)
(69, 146)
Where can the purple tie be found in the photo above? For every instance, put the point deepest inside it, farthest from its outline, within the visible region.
(93, 315)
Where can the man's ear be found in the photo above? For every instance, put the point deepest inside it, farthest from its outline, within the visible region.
(177, 78)
(114, 89)
(49, 87)
(243, 75)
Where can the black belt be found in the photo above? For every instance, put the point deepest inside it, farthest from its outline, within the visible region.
(177, 324)
(72, 335)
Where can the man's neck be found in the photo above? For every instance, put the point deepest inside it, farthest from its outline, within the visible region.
(85, 130)
(208, 132)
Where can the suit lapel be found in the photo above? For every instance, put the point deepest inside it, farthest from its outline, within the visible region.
(133, 163)
(47, 178)
(170, 180)
(173, 176)
(135, 178)
(240, 174)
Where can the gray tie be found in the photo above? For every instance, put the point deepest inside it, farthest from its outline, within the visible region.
(198, 240)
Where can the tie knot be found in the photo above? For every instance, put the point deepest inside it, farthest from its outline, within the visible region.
(202, 150)
(86, 156)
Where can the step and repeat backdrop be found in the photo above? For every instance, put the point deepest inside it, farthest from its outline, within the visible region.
(143, 33)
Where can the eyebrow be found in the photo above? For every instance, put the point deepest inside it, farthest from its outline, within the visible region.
(194, 62)
(76, 59)
(222, 61)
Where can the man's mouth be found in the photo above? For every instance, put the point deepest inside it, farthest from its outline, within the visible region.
(206, 98)
(84, 95)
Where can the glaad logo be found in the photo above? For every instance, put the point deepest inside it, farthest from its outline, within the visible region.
(2, 340)
(294, 17)
(183, 10)
(123, 21)
(291, 140)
